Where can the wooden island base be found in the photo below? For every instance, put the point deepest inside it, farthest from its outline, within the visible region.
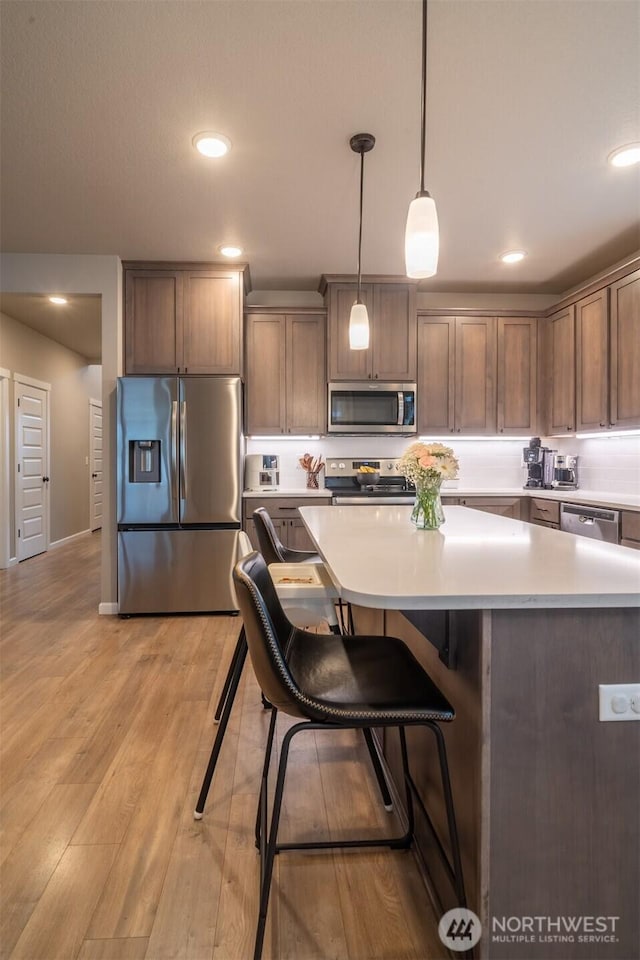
(547, 796)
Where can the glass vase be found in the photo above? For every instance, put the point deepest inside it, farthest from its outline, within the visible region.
(312, 481)
(427, 513)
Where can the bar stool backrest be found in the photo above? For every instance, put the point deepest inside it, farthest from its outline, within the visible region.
(268, 631)
(271, 547)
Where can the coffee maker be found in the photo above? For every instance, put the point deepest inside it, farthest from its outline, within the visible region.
(538, 461)
(565, 472)
(261, 471)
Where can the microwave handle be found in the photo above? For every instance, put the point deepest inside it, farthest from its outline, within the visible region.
(400, 407)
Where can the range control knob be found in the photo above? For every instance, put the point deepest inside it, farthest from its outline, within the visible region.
(341, 465)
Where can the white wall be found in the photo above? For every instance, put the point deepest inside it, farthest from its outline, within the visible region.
(102, 275)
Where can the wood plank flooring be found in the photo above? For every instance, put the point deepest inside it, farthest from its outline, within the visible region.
(106, 727)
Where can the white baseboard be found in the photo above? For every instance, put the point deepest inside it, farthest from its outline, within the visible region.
(11, 562)
(107, 609)
(74, 536)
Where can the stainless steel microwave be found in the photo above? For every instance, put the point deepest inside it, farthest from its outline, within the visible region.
(375, 407)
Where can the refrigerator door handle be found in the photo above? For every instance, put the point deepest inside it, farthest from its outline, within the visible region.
(174, 454)
(183, 449)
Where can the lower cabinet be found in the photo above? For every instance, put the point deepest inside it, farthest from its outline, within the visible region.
(546, 513)
(630, 529)
(286, 519)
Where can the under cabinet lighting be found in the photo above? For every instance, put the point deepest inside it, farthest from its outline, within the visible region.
(610, 434)
(58, 300)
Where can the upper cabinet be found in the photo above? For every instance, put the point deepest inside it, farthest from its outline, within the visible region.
(183, 318)
(625, 352)
(597, 339)
(285, 382)
(517, 376)
(391, 306)
(592, 356)
(457, 375)
(560, 372)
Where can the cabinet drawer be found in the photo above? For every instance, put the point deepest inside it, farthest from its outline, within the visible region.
(283, 508)
(502, 506)
(630, 525)
(546, 510)
(634, 544)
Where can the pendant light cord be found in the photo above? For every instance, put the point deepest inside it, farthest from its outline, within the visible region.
(424, 94)
(358, 300)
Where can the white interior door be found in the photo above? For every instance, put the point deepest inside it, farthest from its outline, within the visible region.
(95, 463)
(32, 463)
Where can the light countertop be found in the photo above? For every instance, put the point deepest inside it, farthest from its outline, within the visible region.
(377, 558)
(614, 501)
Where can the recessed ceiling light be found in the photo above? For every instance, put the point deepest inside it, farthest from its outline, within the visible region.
(58, 299)
(513, 256)
(229, 250)
(212, 144)
(625, 156)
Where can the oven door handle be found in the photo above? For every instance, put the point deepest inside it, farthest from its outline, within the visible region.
(400, 408)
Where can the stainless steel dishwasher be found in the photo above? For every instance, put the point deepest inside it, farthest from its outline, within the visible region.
(594, 522)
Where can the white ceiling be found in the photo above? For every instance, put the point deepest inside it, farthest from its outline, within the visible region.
(526, 98)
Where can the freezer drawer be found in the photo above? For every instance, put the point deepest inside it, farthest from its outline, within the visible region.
(176, 571)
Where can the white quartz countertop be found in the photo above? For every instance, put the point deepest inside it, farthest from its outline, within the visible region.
(614, 501)
(377, 558)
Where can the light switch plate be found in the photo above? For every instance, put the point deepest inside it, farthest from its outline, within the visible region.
(619, 701)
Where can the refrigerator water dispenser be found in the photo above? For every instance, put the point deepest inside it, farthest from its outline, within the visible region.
(144, 461)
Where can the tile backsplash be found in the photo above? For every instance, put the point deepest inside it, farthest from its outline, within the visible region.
(607, 464)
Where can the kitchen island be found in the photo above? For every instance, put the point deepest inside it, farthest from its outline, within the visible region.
(518, 625)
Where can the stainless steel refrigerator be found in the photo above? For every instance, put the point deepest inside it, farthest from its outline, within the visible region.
(180, 448)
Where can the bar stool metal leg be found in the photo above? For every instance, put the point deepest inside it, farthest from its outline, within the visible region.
(233, 678)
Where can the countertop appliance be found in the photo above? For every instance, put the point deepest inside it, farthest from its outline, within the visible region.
(341, 478)
(594, 522)
(538, 462)
(261, 471)
(179, 488)
(565, 472)
(372, 407)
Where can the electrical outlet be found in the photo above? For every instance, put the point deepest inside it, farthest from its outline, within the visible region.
(619, 701)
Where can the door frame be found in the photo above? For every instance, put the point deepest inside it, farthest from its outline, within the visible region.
(6, 560)
(94, 403)
(41, 385)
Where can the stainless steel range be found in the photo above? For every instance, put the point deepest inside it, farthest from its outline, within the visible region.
(344, 476)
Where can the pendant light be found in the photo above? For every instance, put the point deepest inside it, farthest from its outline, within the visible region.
(422, 238)
(359, 319)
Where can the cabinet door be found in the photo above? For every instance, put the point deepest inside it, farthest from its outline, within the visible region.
(625, 352)
(153, 321)
(305, 378)
(435, 381)
(297, 537)
(265, 390)
(345, 363)
(592, 362)
(394, 334)
(517, 375)
(475, 377)
(280, 528)
(212, 322)
(561, 371)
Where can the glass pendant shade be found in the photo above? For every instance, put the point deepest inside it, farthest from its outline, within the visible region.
(359, 327)
(422, 238)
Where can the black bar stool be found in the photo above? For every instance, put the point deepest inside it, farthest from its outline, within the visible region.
(333, 682)
(306, 606)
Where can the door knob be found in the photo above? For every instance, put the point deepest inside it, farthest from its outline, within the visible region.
(94, 475)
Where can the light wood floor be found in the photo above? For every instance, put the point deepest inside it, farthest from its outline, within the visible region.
(106, 729)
